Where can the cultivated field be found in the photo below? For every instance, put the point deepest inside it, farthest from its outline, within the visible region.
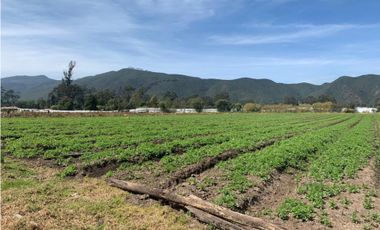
(305, 171)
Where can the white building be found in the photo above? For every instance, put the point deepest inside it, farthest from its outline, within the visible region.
(145, 110)
(158, 110)
(194, 111)
(210, 110)
(365, 110)
(185, 111)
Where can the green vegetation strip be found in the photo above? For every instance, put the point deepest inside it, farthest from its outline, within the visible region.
(326, 176)
(240, 141)
(135, 138)
(293, 152)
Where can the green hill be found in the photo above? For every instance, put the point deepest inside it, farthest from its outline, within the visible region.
(359, 90)
(30, 87)
(242, 89)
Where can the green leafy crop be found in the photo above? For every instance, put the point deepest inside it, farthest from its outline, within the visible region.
(296, 208)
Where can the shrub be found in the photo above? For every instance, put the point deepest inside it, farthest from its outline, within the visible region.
(251, 107)
(164, 107)
(324, 107)
(54, 107)
(197, 104)
(237, 107)
(223, 105)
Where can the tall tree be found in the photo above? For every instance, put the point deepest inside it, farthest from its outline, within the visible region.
(90, 102)
(125, 95)
(67, 75)
(139, 98)
(67, 95)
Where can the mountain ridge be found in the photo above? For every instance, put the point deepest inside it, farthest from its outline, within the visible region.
(364, 89)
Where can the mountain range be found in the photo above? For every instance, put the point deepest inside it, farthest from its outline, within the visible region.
(361, 90)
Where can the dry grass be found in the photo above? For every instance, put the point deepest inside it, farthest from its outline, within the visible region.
(35, 198)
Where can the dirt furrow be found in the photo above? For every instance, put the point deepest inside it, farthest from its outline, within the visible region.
(280, 185)
(210, 162)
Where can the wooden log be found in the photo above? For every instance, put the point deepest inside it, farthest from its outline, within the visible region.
(214, 220)
(196, 202)
(228, 214)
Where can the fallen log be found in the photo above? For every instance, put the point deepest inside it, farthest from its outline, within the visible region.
(214, 220)
(247, 222)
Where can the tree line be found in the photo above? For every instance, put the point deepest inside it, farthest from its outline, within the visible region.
(70, 96)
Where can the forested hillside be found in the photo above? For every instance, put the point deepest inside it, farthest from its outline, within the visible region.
(362, 90)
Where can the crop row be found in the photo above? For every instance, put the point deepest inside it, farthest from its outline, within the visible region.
(347, 155)
(101, 137)
(241, 141)
(341, 160)
(291, 153)
(330, 178)
(199, 146)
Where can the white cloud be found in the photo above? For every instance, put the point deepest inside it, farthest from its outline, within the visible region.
(274, 2)
(40, 37)
(308, 26)
(31, 30)
(100, 35)
(187, 11)
(306, 31)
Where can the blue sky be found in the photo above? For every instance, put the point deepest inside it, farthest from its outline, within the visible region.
(284, 40)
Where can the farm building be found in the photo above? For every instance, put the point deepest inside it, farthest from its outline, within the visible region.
(145, 110)
(210, 110)
(158, 110)
(365, 110)
(185, 111)
(194, 111)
